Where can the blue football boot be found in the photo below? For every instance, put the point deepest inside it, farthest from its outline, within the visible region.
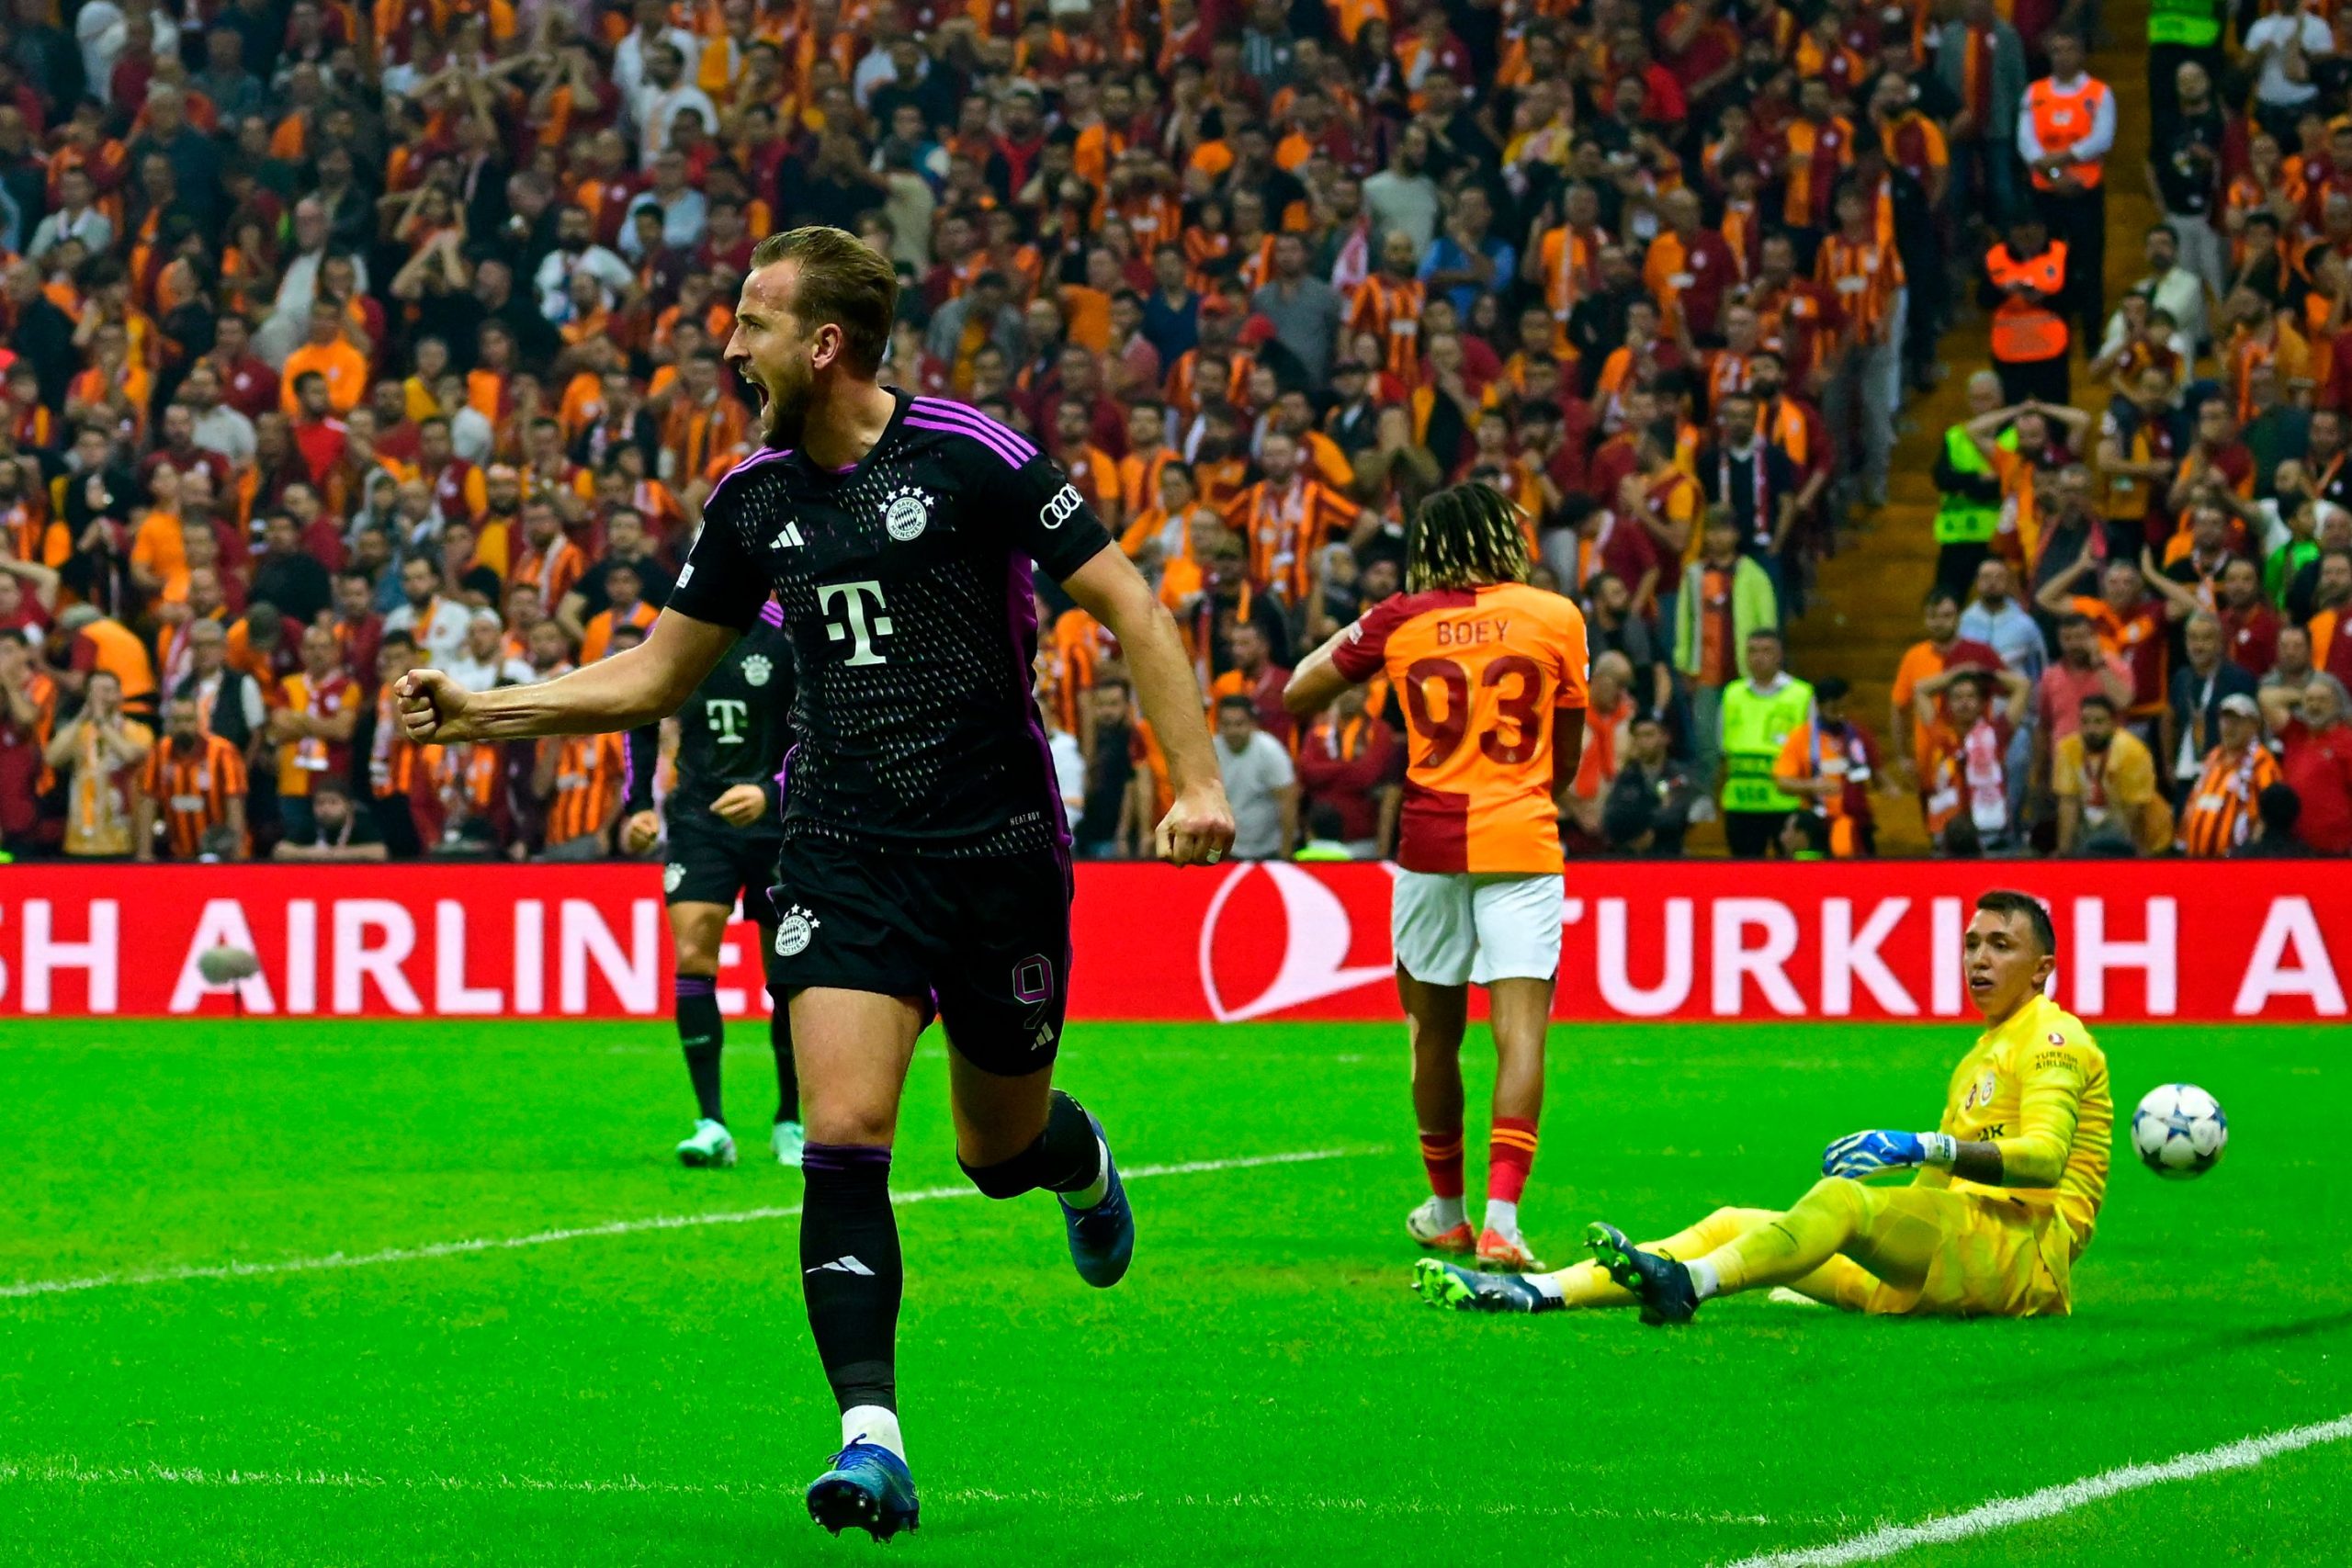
(869, 1489)
(1103, 1239)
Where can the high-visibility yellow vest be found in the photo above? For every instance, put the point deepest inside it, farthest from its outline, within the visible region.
(1960, 521)
(2194, 23)
(1755, 727)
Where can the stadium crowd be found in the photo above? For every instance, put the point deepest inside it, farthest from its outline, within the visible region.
(341, 341)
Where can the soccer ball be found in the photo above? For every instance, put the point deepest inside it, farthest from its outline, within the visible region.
(226, 965)
(2179, 1131)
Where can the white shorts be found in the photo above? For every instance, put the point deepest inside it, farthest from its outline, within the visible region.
(1471, 928)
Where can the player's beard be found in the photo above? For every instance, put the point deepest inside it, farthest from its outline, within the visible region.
(785, 416)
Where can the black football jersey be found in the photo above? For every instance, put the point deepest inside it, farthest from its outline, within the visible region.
(733, 730)
(905, 583)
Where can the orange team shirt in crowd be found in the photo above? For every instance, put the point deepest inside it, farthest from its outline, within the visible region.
(588, 774)
(1139, 476)
(1921, 661)
(192, 793)
(344, 368)
(1391, 312)
(1480, 671)
(1096, 474)
(158, 550)
(107, 644)
(1865, 276)
(2221, 808)
(311, 756)
(554, 570)
(1285, 528)
(596, 637)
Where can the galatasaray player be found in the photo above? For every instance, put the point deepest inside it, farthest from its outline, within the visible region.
(1491, 674)
(2006, 1195)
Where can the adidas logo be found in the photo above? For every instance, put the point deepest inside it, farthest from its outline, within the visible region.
(842, 1266)
(789, 539)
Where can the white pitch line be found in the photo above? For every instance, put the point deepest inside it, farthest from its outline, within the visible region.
(2003, 1513)
(74, 1472)
(437, 1250)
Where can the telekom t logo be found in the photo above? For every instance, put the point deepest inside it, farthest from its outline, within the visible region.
(729, 716)
(857, 628)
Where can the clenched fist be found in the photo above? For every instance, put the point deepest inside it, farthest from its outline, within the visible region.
(640, 832)
(433, 708)
(1198, 829)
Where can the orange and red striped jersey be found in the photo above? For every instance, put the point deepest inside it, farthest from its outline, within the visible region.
(1570, 264)
(1139, 476)
(1915, 143)
(392, 760)
(2221, 811)
(1078, 646)
(1726, 371)
(588, 773)
(692, 433)
(1391, 312)
(1184, 392)
(1257, 261)
(1813, 156)
(1155, 220)
(1096, 474)
(465, 774)
(1480, 671)
(1284, 526)
(192, 790)
(1864, 275)
(555, 569)
(596, 637)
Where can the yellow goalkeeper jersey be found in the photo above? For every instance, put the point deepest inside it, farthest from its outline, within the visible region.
(2036, 1087)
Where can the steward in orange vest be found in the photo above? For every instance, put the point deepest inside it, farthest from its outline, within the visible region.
(2024, 279)
(2065, 130)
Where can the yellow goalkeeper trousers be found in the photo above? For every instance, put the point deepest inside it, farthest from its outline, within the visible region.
(1879, 1249)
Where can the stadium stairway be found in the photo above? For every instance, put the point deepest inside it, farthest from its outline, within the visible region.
(1866, 605)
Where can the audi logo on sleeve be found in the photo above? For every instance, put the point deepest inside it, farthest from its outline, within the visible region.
(1062, 506)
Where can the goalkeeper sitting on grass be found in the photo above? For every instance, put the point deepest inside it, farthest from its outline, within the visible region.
(2007, 1192)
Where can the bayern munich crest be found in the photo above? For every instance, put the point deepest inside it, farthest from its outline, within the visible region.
(907, 515)
(756, 670)
(794, 932)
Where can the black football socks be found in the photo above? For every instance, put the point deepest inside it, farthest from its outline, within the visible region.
(850, 1270)
(703, 1035)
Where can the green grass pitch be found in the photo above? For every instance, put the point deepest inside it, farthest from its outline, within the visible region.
(1262, 1389)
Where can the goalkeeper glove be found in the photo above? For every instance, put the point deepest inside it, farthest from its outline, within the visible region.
(1861, 1154)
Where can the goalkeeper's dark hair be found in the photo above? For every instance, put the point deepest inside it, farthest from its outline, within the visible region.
(1464, 538)
(2004, 902)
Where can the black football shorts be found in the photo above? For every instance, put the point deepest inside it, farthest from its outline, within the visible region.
(711, 861)
(983, 943)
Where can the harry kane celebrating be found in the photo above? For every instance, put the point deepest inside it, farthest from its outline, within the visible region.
(925, 860)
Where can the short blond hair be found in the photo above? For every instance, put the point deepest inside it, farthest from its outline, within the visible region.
(843, 281)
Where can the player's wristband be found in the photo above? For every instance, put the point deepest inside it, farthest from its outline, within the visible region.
(1939, 1149)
